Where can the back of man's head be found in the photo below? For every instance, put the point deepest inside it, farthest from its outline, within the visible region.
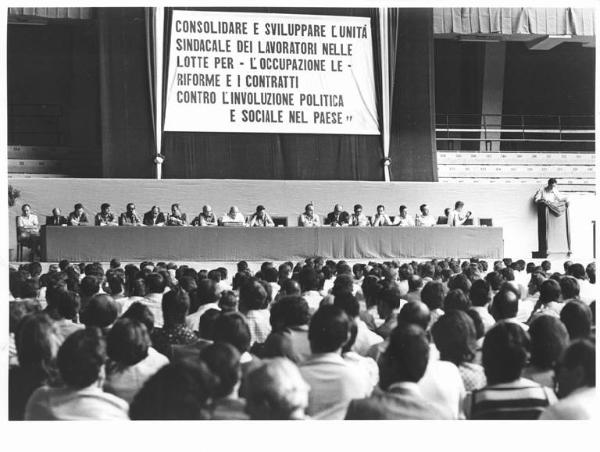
(155, 283)
(460, 281)
(275, 390)
(343, 283)
(293, 310)
(577, 367)
(175, 306)
(206, 292)
(480, 294)
(569, 287)
(505, 305)
(577, 271)
(433, 295)
(416, 313)
(406, 357)
(308, 279)
(231, 327)
(329, 329)
(90, 285)
(101, 311)
(252, 296)
(456, 299)
(415, 283)
(577, 317)
(505, 352)
(81, 358)
(495, 280)
(223, 360)
(347, 303)
(390, 298)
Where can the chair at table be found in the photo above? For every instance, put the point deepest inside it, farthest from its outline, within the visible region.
(20, 245)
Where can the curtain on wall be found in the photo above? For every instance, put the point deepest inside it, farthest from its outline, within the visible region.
(125, 103)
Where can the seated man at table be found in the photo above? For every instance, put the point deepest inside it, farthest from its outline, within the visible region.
(358, 218)
(404, 219)
(154, 217)
(56, 219)
(130, 217)
(205, 218)
(457, 217)
(105, 217)
(424, 218)
(78, 217)
(233, 218)
(261, 218)
(381, 218)
(335, 218)
(309, 218)
(177, 218)
(28, 228)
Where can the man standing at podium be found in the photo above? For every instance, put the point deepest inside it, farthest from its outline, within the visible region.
(550, 195)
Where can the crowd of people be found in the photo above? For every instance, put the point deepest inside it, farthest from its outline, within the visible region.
(319, 339)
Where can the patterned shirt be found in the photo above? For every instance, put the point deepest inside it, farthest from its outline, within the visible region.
(105, 220)
(258, 322)
(163, 338)
(129, 219)
(472, 376)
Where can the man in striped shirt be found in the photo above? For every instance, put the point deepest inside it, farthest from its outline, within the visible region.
(507, 395)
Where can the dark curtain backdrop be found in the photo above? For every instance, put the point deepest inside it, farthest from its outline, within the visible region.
(125, 105)
(275, 156)
(412, 124)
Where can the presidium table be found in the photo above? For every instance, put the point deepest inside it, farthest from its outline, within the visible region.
(96, 243)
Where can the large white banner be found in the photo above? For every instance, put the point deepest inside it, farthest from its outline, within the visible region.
(270, 73)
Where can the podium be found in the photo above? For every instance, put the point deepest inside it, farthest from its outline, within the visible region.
(554, 236)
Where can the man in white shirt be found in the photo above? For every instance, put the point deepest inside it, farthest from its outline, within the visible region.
(404, 219)
(233, 218)
(576, 377)
(333, 381)
(424, 218)
(381, 218)
(549, 194)
(309, 218)
(261, 218)
(358, 218)
(156, 285)
(457, 217)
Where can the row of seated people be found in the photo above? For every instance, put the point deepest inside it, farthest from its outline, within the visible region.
(441, 339)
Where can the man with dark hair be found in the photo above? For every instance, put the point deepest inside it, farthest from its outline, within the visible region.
(569, 288)
(78, 217)
(505, 306)
(333, 381)
(381, 218)
(155, 287)
(425, 218)
(457, 217)
(309, 218)
(388, 306)
(223, 360)
(309, 283)
(101, 311)
(403, 218)
(253, 305)
(433, 296)
(576, 377)
(261, 218)
(480, 296)
(402, 366)
(130, 216)
(175, 305)
(365, 338)
(358, 218)
(495, 280)
(507, 395)
(105, 217)
(81, 360)
(415, 286)
(205, 297)
(577, 317)
(587, 291)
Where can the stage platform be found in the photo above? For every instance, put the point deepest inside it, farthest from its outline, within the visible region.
(85, 244)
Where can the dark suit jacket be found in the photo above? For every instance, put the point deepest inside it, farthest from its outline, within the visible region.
(395, 404)
(159, 219)
(331, 219)
(56, 221)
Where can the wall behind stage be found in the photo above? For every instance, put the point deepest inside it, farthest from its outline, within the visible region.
(510, 206)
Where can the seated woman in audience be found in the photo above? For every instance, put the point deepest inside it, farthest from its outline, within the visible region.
(205, 218)
(454, 336)
(28, 228)
(261, 218)
(37, 345)
(81, 359)
(132, 360)
(175, 305)
(223, 360)
(177, 218)
(233, 218)
(549, 339)
(154, 217)
(507, 395)
(381, 218)
(130, 217)
(275, 390)
(78, 217)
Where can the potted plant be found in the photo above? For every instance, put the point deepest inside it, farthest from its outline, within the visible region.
(13, 194)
